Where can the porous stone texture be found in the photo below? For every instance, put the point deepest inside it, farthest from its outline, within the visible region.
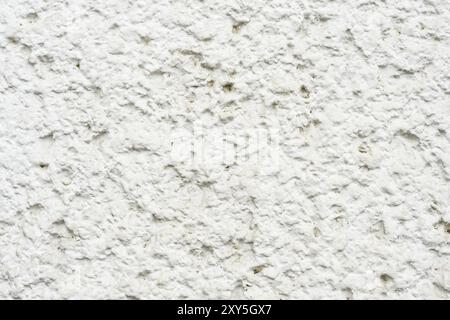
(224, 149)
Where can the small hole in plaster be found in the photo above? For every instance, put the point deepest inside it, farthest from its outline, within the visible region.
(32, 17)
(363, 148)
(228, 87)
(316, 232)
(238, 26)
(348, 292)
(145, 40)
(45, 58)
(304, 92)
(386, 278)
(43, 165)
(13, 40)
(258, 269)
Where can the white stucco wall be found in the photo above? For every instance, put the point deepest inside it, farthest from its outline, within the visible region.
(225, 149)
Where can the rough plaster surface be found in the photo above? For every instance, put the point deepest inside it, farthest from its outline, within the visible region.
(225, 149)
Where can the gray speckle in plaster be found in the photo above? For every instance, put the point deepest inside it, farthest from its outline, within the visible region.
(225, 149)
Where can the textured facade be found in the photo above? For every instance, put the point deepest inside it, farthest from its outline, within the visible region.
(225, 149)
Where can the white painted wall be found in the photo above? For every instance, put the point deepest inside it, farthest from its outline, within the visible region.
(225, 149)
